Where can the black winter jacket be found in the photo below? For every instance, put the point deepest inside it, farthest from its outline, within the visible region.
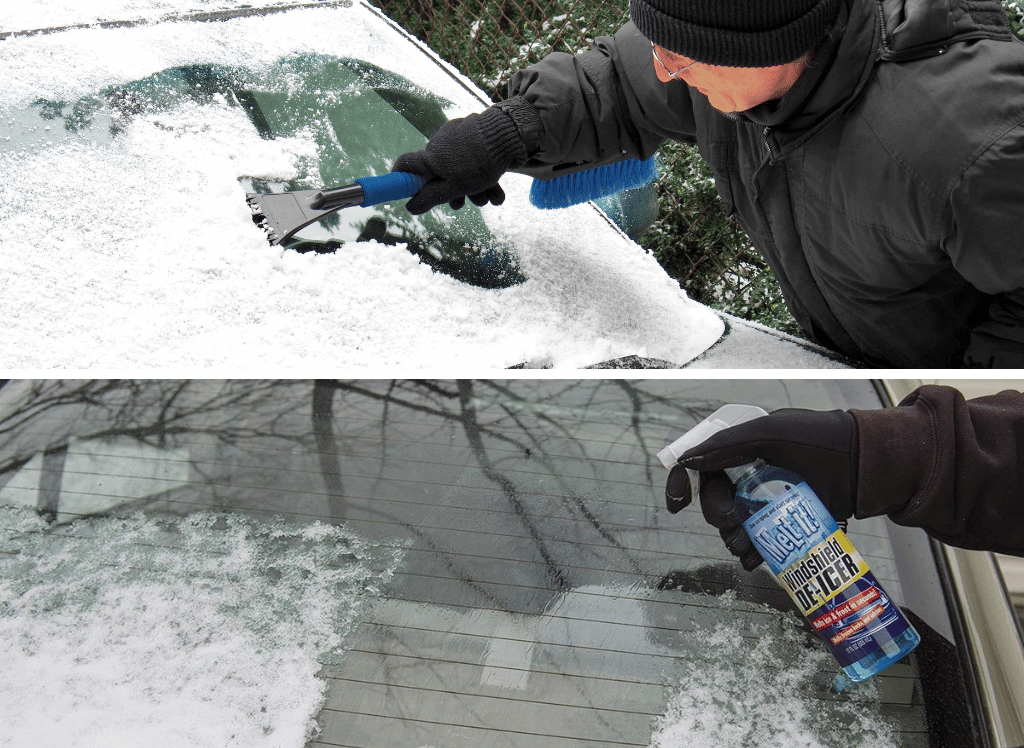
(952, 466)
(885, 190)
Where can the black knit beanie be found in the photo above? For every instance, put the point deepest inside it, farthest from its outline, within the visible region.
(735, 33)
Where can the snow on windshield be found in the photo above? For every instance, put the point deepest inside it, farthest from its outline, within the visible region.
(196, 632)
(765, 686)
(140, 252)
(40, 14)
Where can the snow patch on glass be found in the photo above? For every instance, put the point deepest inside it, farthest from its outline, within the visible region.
(765, 689)
(206, 630)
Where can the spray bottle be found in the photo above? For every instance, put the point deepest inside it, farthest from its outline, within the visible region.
(810, 557)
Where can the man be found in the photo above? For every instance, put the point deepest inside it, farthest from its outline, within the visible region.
(874, 153)
(937, 461)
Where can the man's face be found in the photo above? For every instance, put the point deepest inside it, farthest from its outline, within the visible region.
(728, 89)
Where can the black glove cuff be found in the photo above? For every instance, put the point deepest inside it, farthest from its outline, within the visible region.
(501, 138)
(527, 120)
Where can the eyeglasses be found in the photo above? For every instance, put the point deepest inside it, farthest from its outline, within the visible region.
(661, 62)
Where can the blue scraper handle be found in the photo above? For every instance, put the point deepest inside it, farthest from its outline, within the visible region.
(395, 185)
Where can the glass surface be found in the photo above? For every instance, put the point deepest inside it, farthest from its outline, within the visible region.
(360, 117)
(543, 596)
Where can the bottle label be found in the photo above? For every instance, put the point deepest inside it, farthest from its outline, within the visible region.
(790, 529)
(825, 576)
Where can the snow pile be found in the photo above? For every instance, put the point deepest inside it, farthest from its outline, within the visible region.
(140, 252)
(766, 687)
(193, 633)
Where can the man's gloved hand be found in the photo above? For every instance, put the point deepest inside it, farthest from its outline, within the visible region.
(465, 157)
(820, 447)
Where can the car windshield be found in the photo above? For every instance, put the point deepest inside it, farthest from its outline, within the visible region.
(357, 116)
(128, 149)
(417, 563)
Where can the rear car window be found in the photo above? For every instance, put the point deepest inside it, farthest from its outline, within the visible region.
(458, 562)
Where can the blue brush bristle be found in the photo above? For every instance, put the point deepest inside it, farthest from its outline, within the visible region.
(601, 181)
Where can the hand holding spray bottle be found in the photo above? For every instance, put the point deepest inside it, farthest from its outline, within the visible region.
(810, 557)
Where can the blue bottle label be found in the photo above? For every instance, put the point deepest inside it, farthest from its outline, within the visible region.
(850, 622)
(825, 576)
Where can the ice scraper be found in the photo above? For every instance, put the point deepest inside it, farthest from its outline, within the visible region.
(282, 214)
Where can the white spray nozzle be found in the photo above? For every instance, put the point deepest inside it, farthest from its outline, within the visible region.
(723, 418)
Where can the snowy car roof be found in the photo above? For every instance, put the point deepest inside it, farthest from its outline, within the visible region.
(137, 252)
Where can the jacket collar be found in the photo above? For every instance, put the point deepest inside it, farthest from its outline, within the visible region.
(838, 71)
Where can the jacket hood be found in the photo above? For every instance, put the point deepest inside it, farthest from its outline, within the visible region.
(870, 31)
(921, 28)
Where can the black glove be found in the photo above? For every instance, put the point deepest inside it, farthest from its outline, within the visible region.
(465, 157)
(820, 447)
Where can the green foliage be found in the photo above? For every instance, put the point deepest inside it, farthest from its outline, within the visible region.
(567, 32)
(1015, 12)
(489, 40)
(708, 253)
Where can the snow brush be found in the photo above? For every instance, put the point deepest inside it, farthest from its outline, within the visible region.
(592, 184)
(282, 214)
